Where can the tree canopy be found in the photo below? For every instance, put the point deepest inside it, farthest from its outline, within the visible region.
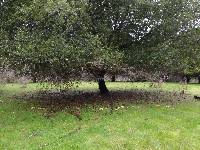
(54, 40)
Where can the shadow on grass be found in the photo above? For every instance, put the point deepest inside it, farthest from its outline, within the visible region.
(74, 101)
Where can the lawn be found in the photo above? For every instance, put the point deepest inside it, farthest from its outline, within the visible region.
(23, 125)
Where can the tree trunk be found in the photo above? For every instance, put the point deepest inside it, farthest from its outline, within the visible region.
(105, 92)
(102, 87)
(34, 79)
(113, 79)
(198, 78)
(188, 79)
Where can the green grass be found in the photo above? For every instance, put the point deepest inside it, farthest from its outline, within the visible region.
(134, 126)
(10, 89)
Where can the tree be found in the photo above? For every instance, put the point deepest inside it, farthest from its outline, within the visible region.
(139, 28)
(188, 46)
(106, 61)
(51, 41)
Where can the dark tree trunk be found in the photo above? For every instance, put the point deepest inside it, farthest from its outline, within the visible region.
(199, 79)
(34, 79)
(113, 79)
(187, 79)
(105, 92)
(102, 87)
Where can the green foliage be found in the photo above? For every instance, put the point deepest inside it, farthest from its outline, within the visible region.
(146, 32)
(180, 55)
(126, 23)
(53, 40)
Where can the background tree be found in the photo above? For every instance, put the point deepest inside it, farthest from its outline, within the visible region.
(139, 28)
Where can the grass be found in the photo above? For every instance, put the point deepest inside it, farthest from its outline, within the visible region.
(10, 89)
(134, 126)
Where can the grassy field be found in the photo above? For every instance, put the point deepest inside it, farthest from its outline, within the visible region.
(10, 89)
(23, 125)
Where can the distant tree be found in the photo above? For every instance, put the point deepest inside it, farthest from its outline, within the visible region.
(188, 45)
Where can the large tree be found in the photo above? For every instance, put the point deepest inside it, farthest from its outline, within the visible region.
(54, 40)
(51, 40)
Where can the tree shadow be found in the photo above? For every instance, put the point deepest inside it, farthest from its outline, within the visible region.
(74, 101)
